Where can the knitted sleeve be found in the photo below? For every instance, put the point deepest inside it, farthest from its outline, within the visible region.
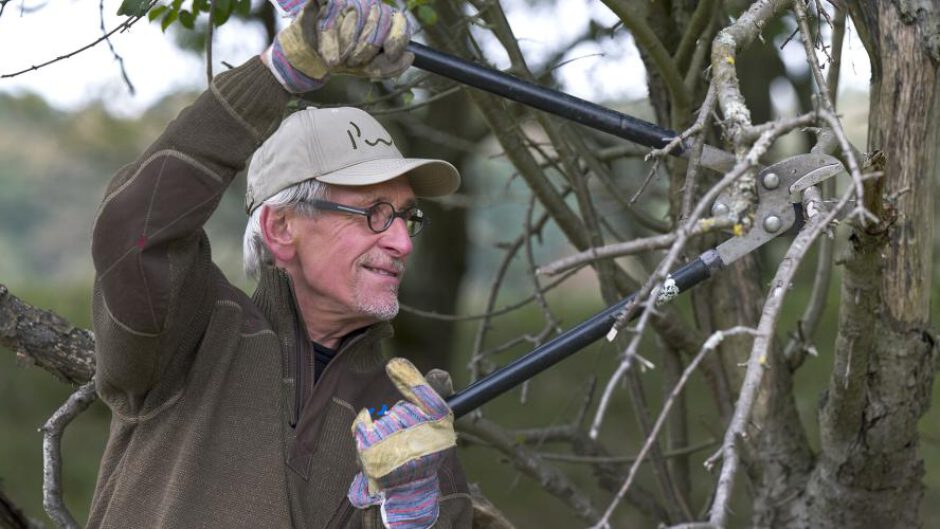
(154, 276)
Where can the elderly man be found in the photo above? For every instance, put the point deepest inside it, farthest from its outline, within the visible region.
(238, 412)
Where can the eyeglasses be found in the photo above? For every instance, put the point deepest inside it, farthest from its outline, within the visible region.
(380, 215)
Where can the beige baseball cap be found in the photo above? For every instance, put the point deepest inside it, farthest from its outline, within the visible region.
(344, 146)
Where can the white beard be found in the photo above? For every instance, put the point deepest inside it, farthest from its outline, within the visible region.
(380, 309)
(384, 307)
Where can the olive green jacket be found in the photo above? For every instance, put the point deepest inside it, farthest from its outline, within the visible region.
(216, 421)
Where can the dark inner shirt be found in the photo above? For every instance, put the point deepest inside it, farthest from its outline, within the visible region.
(321, 356)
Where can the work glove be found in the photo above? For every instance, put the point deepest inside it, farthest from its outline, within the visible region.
(400, 452)
(366, 38)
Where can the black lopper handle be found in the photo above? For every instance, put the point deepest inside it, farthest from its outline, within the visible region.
(568, 343)
(533, 95)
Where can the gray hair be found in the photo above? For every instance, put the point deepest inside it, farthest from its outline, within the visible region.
(255, 253)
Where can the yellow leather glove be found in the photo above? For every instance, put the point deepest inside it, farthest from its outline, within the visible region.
(358, 37)
(400, 452)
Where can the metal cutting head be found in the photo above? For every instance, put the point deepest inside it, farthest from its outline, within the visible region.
(778, 193)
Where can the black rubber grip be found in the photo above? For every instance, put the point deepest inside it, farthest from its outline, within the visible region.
(561, 347)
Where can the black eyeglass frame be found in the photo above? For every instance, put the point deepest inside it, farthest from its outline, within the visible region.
(421, 220)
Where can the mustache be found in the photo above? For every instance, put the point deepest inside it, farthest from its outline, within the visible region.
(390, 263)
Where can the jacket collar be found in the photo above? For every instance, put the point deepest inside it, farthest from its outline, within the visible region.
(275, 298)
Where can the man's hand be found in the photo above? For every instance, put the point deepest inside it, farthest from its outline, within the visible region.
(358, 37)
(400, 452)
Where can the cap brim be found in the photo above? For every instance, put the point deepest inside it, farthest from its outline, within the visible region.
(428, 178)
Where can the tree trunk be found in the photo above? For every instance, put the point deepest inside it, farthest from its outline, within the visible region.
(870, 470)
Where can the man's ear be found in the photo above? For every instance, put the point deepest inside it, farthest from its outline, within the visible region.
(277, 231)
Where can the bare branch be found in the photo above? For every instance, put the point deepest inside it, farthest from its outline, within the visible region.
(737, 116)
(823, 93)
(645, 37)
(477, 355)
(52, 432)
(713, 341)
(635, 246)
(758, 362)
(528, 462)
(701, 19)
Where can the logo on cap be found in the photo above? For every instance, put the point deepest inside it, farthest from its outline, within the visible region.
(370, 143)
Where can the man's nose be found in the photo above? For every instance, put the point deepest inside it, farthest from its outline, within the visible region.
(396, 239)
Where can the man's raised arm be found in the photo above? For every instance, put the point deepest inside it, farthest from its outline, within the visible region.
(150, 253)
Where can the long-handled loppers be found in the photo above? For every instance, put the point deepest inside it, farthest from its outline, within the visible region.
(777, 211)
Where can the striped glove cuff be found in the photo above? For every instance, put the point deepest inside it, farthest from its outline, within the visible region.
(411, 505)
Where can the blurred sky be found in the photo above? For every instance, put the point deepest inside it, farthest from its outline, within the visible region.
(34, 31)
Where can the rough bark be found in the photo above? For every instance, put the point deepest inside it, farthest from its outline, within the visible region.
(869, 472)
(782, 458)
(46, 339)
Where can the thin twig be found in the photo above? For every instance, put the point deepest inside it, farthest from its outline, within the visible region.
(823, 93)
(593, 161)
(657, 242)
(695, 155)
(808, 322)
(52, 432)
(477, 356)
(424, 102)
(497, 312)
(835, 66)
(528, 462)
(649, 292)
(130, 21)
(531, 271)
(574, 458)
(118, 58)
(713, 341)
(658, 154)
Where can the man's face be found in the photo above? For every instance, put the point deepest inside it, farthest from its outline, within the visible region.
(348, 273)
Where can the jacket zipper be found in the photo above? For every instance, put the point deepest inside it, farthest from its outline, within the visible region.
(300, 349)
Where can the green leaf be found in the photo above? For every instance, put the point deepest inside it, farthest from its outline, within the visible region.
(156, 12)
(427, 15)
(187, 19)
(169, 19)
(243, 8)
(200, 6)
(177, 4)
(223, 9)
(134, 8)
